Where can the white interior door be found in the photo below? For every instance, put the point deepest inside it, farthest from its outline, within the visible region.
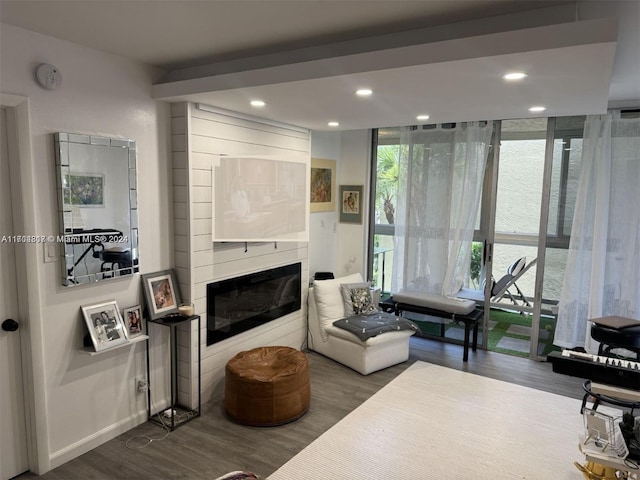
(13, 434)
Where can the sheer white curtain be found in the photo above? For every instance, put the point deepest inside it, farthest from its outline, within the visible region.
(602, 275)
(439, 189)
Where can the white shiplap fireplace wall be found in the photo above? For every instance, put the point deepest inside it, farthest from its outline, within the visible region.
(199, 135)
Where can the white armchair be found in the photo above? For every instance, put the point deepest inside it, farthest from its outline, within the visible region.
(326, 306)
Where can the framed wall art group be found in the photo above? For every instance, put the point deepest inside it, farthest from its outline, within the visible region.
(108, 328)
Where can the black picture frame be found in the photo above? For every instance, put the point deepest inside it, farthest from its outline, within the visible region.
(133, 320)
(161, 293)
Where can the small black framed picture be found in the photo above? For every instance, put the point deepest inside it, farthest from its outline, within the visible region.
(132, 317)
(350, 203)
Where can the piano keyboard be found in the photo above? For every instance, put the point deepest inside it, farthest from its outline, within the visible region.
(608, 370)
(615, 362)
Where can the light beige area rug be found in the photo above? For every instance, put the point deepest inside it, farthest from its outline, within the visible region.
(435, 423)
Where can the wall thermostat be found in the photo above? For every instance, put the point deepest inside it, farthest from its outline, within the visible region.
(48, 76)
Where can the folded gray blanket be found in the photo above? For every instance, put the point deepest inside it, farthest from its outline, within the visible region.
(372, 324)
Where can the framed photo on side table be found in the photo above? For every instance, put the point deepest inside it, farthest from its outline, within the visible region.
(132, 317)
(350, 203)
(105, 325)
(161, 293)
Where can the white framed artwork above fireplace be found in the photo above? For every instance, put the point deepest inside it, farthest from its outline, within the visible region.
(260, 198)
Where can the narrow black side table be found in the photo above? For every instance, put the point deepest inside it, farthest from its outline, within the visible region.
(180, 414)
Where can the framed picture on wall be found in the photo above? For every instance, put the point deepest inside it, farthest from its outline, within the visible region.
(105, 325)
(161, 293)
(132, 317)
(350, 203)
(323, 185)
(85, 189)
(260, 198)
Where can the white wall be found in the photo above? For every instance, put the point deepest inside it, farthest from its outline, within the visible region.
(82, 401)
(341, 247)
(198, 138)
(353, 169)
(323, 226)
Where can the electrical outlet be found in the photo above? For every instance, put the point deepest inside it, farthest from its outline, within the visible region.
(142, 385)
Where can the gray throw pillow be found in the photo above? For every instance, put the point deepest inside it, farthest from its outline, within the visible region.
(362, 301)
(345, 289)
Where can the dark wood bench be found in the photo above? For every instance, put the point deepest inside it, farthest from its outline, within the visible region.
(470, 320)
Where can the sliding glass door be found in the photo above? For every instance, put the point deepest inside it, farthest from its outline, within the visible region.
(562, 171)
(518, 199)
(528, 205)
(522, 230)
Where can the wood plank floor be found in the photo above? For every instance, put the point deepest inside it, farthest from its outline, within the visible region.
(211, 445)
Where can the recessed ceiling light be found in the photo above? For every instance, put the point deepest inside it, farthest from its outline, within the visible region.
(364, 92)
(537, 109)
(514, 76)
(257, 103)
(422, 117)
(333, 124)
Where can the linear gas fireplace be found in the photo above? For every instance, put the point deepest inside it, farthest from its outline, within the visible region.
(238, 304)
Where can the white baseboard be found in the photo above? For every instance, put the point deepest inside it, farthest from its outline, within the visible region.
(89, 443)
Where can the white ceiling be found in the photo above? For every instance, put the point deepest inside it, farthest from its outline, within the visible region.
(305, 58)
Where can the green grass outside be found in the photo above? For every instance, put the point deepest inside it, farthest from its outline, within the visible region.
(503, 320)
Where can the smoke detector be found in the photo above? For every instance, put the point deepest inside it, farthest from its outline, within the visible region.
(48, 76)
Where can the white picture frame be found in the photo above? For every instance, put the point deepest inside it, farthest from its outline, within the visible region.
(105, 325)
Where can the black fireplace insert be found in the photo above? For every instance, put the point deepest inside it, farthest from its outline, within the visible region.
(238, 304)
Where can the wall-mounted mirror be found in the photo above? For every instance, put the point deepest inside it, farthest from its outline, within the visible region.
(98, 208)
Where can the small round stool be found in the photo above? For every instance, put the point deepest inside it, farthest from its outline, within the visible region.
(114, 259)
(611, 338)
(267, 386)
(599, 398)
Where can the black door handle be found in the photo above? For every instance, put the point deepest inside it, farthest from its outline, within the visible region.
(484, 252)
(10, 325)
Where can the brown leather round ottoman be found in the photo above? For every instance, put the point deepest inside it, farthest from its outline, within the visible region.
(267, 386)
